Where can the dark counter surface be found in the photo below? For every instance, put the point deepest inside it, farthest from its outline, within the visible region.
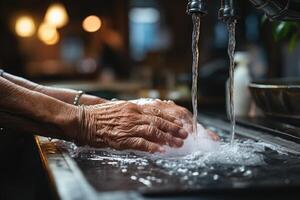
(85, 179)
(21, 173)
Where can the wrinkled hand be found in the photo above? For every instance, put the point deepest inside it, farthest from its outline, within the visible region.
(180, 113)
(124, 125)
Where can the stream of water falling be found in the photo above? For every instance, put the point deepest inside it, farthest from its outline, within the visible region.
(195, 49)
(231, 50)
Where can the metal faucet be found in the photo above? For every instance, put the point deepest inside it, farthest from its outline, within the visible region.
(197, 7)
(283, 10)
(228, 11)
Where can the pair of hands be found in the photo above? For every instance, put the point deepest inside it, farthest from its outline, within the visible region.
(134, 125)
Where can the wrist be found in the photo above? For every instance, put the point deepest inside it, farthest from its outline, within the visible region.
(69, 121)
(90, 127)
(87, 127)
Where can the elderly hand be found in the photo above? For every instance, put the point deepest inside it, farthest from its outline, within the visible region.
(180, 113)
(125, 125)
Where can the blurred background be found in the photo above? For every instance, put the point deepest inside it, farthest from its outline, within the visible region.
(136, 48)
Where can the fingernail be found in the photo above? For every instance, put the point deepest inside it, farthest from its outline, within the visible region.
(179, 123)
(183, 133)
(170, 144)
(178, 142)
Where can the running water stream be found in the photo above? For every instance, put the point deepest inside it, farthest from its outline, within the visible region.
(231, 50)
(195, 67)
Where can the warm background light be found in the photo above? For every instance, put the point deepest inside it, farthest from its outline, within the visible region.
(57, 15)
(53, 40)
(48, 34)
(25, 26)
(91, 23)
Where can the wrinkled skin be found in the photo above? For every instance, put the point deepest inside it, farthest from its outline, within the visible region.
(125, 125)
(180, 113)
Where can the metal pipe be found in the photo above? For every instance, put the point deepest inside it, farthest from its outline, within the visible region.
(197, 6)
(228, 10)
(274, 9)
(279, 9)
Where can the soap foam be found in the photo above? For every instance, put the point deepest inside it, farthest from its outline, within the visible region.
(194, 143)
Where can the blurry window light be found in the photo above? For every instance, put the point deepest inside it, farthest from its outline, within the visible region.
(91, 23)
(57, 15)
(48, 34)
(25, 26)
(145, 31)
(144, 15)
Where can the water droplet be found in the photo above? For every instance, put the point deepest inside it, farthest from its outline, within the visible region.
(204, 174)
(248, 173)
(195, 173)
(182, 170)
(145, 182)
(216, 177)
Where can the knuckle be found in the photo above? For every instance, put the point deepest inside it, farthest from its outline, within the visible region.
(168, 137)
(139, 129)
(156, 120)
(159, 135)
(131, 107)
(172, 127)
(136, 142)
(152, 130)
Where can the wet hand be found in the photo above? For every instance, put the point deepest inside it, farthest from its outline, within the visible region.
(123, 125)
(181, 114)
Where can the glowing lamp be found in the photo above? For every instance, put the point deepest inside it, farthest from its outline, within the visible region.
(91, 23)
(57, 15)
(25, 26)
(48, 34)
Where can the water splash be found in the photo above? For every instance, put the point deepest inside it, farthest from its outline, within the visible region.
(195, 49)
(200, 142)
(244, 160)
(231, 49)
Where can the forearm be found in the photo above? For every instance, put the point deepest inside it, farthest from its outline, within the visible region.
(12, 122)
(65, 95)
(38, 107)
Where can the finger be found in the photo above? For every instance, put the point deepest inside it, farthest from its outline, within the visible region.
(136, 143)
(153, 134)
(155, 111)
(213, 135)
(188, 127)
(166, 126)
(188, 116)
(181, 112)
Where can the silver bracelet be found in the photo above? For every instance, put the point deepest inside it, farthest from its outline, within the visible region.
(77, 98)
(1, 72)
